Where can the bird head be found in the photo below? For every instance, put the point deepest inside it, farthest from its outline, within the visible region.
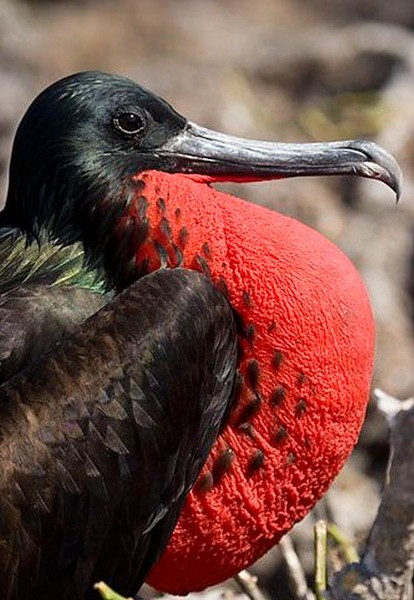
(83, 139)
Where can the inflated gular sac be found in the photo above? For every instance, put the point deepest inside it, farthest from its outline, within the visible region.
(306, 335)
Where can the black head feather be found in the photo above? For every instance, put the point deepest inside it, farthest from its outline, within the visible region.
(77, 145)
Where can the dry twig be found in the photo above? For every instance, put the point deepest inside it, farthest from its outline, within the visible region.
(248, 584)
(321, 543)
(348, 550)
(295, 570)
(386, 570)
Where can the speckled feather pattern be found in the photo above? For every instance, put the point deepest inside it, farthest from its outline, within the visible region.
(306, 340)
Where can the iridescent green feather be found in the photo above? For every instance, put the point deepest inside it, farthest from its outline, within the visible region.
(45, 264)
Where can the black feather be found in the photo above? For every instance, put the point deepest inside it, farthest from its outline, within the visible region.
(102, 439)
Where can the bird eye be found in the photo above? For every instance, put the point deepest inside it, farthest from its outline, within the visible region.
(128, 123)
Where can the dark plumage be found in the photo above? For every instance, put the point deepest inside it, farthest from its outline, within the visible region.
(44, 294)
(102, 439)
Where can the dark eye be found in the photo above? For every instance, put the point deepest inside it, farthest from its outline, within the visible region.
(128, 123)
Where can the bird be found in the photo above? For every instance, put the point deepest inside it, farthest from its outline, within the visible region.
(176, 428)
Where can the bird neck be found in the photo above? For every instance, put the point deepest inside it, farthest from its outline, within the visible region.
(111, 237)
(145, 231)
(158, 228)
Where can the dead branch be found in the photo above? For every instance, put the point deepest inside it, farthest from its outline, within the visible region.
(386, 568)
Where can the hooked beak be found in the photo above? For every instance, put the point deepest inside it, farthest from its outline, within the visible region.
(219, 157)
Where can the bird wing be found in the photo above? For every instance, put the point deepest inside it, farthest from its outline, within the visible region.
(102, 439)
(34, 317)
(45, 292)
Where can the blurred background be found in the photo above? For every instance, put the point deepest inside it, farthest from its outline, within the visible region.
(290, 70)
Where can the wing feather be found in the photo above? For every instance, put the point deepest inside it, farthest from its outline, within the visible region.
(102, 439)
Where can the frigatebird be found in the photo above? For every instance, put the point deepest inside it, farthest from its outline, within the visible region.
(222, 386)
